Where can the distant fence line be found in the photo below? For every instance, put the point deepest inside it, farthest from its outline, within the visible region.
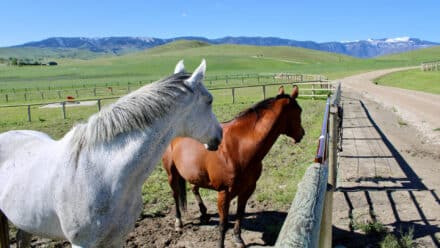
(315, 91)
(430, 66)
(309, 220)
(110, 89)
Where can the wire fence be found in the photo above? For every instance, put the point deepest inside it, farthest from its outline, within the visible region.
(222, 95)
(39, 94)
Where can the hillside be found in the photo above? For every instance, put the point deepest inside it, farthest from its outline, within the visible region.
(123, 45)
(158, 62)
(415, 57)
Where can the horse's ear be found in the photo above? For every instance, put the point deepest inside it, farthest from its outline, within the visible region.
(197, 75)
(295, 92)
(281, 90)
(180, 67)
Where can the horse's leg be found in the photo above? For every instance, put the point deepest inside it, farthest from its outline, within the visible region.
(4, 231)
(204, 218)
(241, 206)
(179, 192)
(223, 212)
(23, 239)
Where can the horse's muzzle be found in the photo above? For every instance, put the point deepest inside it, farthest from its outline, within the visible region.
(213, 144)
(298, 139)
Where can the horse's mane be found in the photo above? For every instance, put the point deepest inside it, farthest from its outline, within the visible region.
(257, 107)
(135, 111)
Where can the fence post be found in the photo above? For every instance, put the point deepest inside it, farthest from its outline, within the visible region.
(29, 113)
(77, 94)
(99, 104)
(326, 225)
(233, 95)
(25, 96)
(94, 91)
(42, 95)
(64, 110)
(7, 99)
(59, 94)
(264, 91)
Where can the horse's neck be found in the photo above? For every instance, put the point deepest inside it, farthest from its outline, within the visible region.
(264, 132)
(134, 155)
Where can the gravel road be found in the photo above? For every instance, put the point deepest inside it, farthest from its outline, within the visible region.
(389, 168)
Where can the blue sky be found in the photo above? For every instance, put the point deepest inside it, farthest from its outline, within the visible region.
(334, 20)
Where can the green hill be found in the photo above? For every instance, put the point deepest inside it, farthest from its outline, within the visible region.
(415, 57)
(158, 62)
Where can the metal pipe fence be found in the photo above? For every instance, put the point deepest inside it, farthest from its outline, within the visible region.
(110, 89)
(222, 95)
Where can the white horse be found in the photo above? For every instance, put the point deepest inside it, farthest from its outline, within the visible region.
(86, 187)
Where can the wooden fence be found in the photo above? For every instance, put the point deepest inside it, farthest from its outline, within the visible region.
(313, 90)
(115, 89)
(430, 66)
(309, 221)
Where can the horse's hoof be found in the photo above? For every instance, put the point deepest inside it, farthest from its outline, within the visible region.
(178, 225)
(239, 243)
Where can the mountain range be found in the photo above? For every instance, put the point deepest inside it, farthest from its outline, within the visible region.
(121, 45)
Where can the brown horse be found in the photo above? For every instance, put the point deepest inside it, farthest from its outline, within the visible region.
(232, 170)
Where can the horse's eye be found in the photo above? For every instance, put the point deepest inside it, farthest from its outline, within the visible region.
(210, 100)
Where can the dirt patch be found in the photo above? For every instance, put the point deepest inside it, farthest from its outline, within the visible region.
(260, 228)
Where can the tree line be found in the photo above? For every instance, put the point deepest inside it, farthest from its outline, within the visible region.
(13, 61)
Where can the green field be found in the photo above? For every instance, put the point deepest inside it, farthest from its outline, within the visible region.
(426, 81)
(221, 59)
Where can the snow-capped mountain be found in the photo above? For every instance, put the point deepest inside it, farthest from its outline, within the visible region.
(119, 45)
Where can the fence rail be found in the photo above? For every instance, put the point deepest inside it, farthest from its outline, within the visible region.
(110, 89)
(313, 90)
(309, 221)
(430, 66)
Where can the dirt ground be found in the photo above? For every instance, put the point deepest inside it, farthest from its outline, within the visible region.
(389, 168)
(259, 229)
(389, 172)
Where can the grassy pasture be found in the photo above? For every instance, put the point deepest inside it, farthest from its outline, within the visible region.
(221, 60)
(426, 81)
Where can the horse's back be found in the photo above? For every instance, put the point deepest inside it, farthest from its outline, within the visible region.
(27, 170)
(14, 141)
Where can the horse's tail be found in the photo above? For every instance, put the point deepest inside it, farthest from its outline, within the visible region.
(4, 231)
(182, 192)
